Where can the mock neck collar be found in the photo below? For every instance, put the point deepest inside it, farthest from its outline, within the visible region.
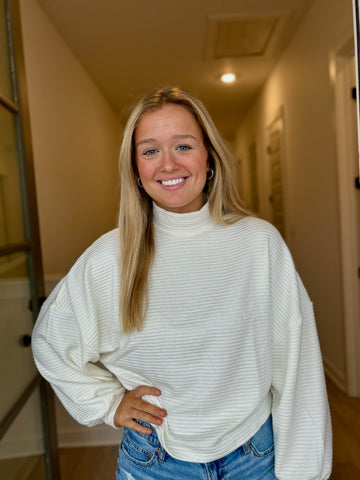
(182, 224)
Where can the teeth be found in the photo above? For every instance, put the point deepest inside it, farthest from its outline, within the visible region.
(175, 181)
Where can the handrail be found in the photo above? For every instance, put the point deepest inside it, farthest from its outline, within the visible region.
(9, 104)
(14, 248)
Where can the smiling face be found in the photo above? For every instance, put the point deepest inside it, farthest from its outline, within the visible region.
(171, 158)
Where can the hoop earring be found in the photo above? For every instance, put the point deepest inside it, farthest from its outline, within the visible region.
(139, 182)
(209, 174)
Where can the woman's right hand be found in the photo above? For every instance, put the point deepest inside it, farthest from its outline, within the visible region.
(132, 407)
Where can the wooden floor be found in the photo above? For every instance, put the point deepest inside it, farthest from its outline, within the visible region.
(345, 415)
(96, 463)
(99, 463)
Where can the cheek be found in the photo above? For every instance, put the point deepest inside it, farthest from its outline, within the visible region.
(143, 169)
(204, 167)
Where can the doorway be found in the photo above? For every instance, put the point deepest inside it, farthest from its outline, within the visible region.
(275, 150)
(342, 67)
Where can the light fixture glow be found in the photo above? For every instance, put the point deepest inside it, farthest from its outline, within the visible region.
(228, 78)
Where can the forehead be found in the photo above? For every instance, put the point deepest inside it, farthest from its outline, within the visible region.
(167, 116)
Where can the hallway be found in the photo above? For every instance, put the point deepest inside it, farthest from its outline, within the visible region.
(76, 150)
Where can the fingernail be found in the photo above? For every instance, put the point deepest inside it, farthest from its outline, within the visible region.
(163, 413)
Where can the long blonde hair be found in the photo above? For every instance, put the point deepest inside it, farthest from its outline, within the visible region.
(135, 214)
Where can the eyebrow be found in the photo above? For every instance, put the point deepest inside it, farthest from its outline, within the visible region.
(175, 137)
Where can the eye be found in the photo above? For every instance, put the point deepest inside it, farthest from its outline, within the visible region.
(150, 152)
(183, 148)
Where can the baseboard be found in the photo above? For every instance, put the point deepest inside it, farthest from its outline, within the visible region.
(335, 374)
(22, 447)
(89, 437)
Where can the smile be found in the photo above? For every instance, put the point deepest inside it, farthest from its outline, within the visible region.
(175, 181)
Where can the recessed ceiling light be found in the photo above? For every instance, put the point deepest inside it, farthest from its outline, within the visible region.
(228, 78)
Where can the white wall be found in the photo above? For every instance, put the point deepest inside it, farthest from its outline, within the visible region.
(300, 84)
(76, 138)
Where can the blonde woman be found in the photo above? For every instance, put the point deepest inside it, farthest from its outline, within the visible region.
(188, 325)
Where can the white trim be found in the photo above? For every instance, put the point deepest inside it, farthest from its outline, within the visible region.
(279, 118)
(12, 261)
(19, 288)
(348, 235)
(335, 374)
(22, 447)
(81, 436)
(14, 289)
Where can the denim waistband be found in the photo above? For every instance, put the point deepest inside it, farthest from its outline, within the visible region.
(152, 438)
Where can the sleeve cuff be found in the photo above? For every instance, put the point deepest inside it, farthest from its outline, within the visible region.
(109, 418)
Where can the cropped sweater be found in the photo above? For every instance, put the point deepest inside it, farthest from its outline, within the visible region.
(229, 338)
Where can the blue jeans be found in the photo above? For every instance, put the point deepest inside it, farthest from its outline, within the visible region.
(142, 457)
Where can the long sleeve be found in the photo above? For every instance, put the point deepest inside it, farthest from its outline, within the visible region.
(72, 334)
(301, 417)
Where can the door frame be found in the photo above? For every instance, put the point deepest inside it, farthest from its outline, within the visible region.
(278, 120)
(32, 246)
(347, 206)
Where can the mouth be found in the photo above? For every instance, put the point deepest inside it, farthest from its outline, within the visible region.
(172, 182)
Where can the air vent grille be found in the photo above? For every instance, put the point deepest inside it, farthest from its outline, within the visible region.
(243, 37)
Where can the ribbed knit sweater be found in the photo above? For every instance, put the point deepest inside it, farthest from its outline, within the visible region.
(229, 337)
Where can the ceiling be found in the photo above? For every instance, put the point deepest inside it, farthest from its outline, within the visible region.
(130, 47)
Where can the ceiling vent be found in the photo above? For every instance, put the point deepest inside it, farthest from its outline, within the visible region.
(243, 37)
(231, 36)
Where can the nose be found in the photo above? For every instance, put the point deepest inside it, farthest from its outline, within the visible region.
(168, 162)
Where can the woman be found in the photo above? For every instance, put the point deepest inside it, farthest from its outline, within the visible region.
(213, 364)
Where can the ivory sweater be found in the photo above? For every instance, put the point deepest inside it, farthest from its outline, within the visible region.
(229, 338)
